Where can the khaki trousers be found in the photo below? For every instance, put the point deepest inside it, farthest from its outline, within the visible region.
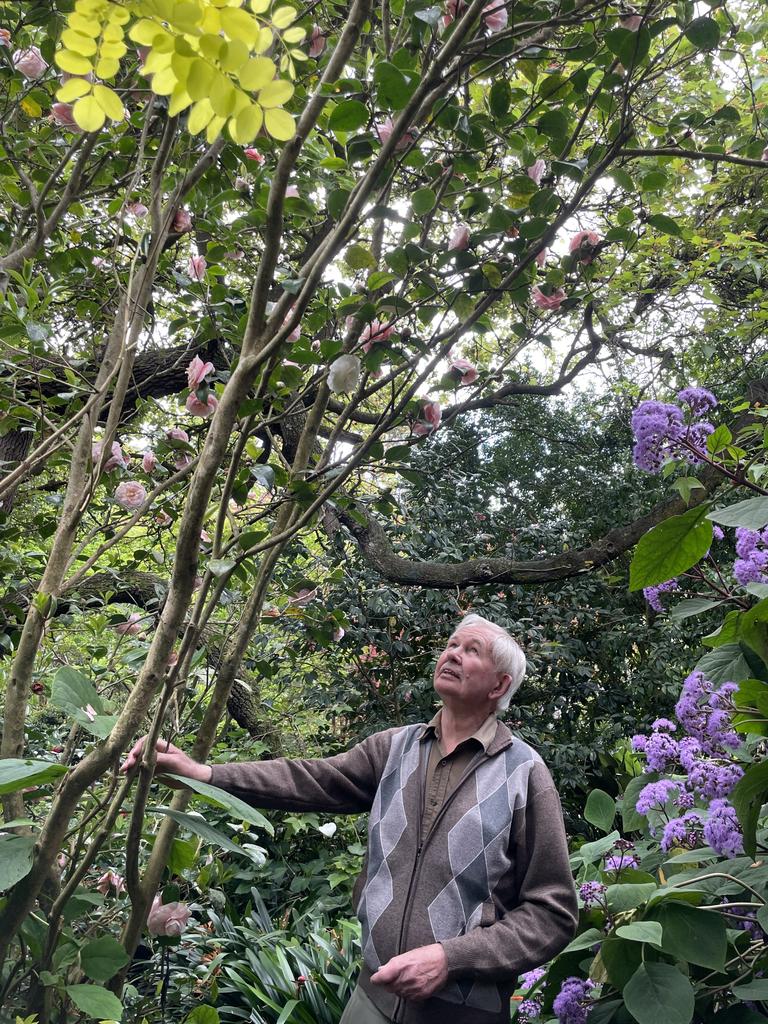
(360, 1010)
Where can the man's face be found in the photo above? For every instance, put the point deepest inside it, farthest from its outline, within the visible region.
(465, 672)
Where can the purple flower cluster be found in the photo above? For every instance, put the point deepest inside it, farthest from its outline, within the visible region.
(751, 565)
(664, 430)
(621, 861)
(722, 830)
(681, 831)
(653, 594)
(657, 795)
(530, 1008)
(571, 1005)
(591, 893)
(701, 710)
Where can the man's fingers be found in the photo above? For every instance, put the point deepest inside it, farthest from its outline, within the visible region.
(161, 747)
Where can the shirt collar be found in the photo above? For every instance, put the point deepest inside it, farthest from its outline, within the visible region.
(484, 734)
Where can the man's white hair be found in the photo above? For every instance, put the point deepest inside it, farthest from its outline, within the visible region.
(506, 654)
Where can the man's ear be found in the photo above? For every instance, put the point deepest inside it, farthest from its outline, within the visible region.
(503, 684)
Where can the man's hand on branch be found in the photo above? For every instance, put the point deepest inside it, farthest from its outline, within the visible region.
(169, 760)
(417, 974)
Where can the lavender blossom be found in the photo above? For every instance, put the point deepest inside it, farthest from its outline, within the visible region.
(681, 831)
(530, 978)
(656, 794)
(699, 400)
(722, 830)
(652, 594)
(657, 427)
(571, 1005)
(591, 893)
(620, 862)
(661, 751)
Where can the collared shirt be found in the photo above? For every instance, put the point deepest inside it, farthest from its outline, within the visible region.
(445, 770)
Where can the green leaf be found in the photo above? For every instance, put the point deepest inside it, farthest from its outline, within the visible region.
(642, 931)
(621, 959)
(348, 116)
(671, 548)
(423, 200)
(704, 33)
(500, 97)
(747, 798)
(751, 514)
(665, 224)
(337, 200)
(584, 941)
(752, 990)
(359, 257)
(239, 809)
(600, 810)
(697, 936)
(220, 566)
(103, 958)
(591, 852)
(726, 664)
(693, 606)
(629, 47)
(74, 694)
(203, 1015)
(659, 992)
(288, 1009)
(15, 858)
(392, 88)
(18, 773)
(95, 1001)
(628, 895)
(631, 819)
(554, 123)
(197, 824)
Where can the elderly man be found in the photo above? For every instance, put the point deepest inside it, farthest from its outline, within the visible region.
(466, 881)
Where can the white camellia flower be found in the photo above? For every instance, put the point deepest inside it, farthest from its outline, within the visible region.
(328, 829)
(344, 374)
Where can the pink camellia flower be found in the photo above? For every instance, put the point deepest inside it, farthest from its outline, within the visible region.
(582, 243)
(30, 62)
(182, 222)
(63, 116)
(453, 9)
(130, 494)
(303, 597)
(541, 257)
(384, 132)
(205, 537)
(464, 371)
(182, 461)
(292, 192)
(536, 170)
(136, 209)
(90, 712)
(316, 41)
(163, 519)
(429, 418)
(5, 37)
(131, 626)
(110, 883)
(99, 262)
(495, 15)
(169, 919)
(631, 22)
(374, 333)
(253, 154)
(548, 302)
(177, 434)
(338, 634)
(196, 268)
(173, 659)
(62, 859)
(197, 371)
(296, 332)
(459, 239)
(242, 184)
(202, 409)
(148, 461)
(115, 459)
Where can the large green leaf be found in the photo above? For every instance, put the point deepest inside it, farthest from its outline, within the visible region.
(197, 824)
(15, 859)
(698, 936)
(393, 90)
(747, 798)
(670, 548)
(752, 514)
(629, 47)
(751, 990)
(659, 992)
(203, 1014)
(17, 773)
(78, 697)
(95, 1001)
(628, 895)
(726, 664)
(704, 33)
(600, 810)
(348, 116)
(631, 819)
(621, 959)
(102, 958)
(239, 809)
(642, 931)
(590, 852)
(693, 606)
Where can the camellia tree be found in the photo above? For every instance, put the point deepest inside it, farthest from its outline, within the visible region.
(252, 256)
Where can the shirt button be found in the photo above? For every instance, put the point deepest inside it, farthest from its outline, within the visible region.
(443, 763)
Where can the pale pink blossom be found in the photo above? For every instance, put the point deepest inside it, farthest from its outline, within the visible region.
(464, 370)
(202, 409)
(136, 209)
(63, 116)
(292, 192)
(182, 461)
(631, 22)
(495, 15)
(148, 461)
(541, 257)
(316, 41)
(303, 597)
(582, 243)
(384, 131)
(374, 333)
(169, 919)
(205, 537)
(338, 634)
(453, 9)
(177, 434)
(110, 883)
(242, 184)
(197, 371)
(459, 239)
(296, 332)
(236, 254)
(90, 712)
(253, 154)
(30, 62)
(764, 154)
(344, 374)
(130, 494)
(429, 418)
(99, 263)
(548, 302)
(173, 659)
(131, 626)
(62, 859)
(196, 267)
(115, 459)
(163, 519)
(5, 37)
(182, 222)
(536, 170)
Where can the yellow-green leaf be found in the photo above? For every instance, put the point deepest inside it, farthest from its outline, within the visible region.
(213, 130)
(246, 126)
(113, 33)
(199, 78)
(299, 55)
(109, 102)
(88, 114)
(78, 42)
(294, 35)
(31, 107)
(74, 63)
(164, 82)
(210, 46)
(211, 22)
(276, 93)
(117, 15)
(264, 41)
(279, 124)
(257, 73)
(199, 116)
(239, 24)
(284, 16)
(115, 49)
(156, 61)
(107, 67)
(88, 26)
(233, 55)
(222, 95)
(259, 6)
(180, 100)
(185, 16)
(72, 89)
(144, 32)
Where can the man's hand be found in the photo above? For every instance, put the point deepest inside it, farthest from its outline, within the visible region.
(416, 974)
(169, 759)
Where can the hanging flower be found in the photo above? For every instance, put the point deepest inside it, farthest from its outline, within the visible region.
(110, 884)
(182, 222)
(148, 461)
(169, 919)
(131, 626)
(196, 267)
(548, 302)
(197, 371)
(459, 239)
(177, 434)
(316, 41)
(63, 116)
(374, 333)
(29, 62)
(463, 371)
(130, 494)
(136, 209)
(5, 37)
(541, 257)
(631, 22)
(344, 374)
(429, 418)
(495, 15)
(292, 192)
(582, 245)
(253, 154)
(536, 171)
(115, 459)
(384, 131)
(202, 409)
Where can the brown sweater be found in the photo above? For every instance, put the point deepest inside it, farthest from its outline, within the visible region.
(490, 880)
